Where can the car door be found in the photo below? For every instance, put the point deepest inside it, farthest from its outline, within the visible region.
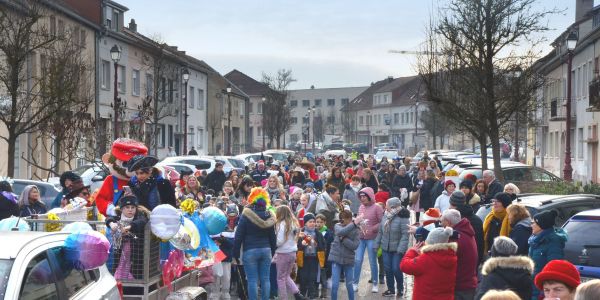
(39, 282)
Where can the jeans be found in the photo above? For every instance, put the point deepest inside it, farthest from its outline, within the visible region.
(336, 270)
(360, 255)
(285, 264)
(257, 264)
(391, 265)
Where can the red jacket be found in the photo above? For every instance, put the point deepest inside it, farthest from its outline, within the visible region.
(466, 273)
(382, 197)
(434, 269)
(106, 192)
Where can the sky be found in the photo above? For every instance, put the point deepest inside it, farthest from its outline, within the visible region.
(333, 43)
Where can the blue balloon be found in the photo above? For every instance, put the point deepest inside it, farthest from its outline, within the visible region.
(214, 219)
(14, 222)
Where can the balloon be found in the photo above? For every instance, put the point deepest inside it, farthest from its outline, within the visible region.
(165, 221)
(215, 220)
(77, 227)
(187, 237)
(86, 250)
(9, 223)
(172, 267)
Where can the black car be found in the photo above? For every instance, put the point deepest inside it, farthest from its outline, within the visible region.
(583, 246)
(527, 178)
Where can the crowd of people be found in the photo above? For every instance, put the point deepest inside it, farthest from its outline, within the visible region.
(322, 214)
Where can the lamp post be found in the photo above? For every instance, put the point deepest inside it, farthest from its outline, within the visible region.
(313, 119)
(568, 169)
(115, 55)
(416, 124)
(262, 121)
(229, 120)
(369, 130)
(517, 76)
(186, 77)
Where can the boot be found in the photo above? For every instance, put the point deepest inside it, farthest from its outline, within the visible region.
(324, 293)
(298, 296)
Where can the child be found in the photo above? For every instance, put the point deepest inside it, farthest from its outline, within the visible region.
(310, 256)
(343, 250)
(127, 230)
(328, 236)
(221, 284)
(286, 228)
(295, 194)
(304, 199)
(382, 195)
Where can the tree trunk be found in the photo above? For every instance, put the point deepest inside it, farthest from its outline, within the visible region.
(494, 137)
(10, 172)
(56, 162)
(483, 149)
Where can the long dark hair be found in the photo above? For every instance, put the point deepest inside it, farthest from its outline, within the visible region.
(246, 180)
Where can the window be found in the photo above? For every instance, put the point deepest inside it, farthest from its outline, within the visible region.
(396, 118)
(305, 103)
(190, 96)
(170, 135)
(74, 279)
(52, 25)
(293, 103)
(293, 138)
(360, 120)
(61, 27)
(149, 85)
(305, 120)
(32, 287)
(260, 108)
(121, 79)
(330, 102)
(135, 77)
(200, 99)
(200, 137)
(171, 90)
(242, 105)
(293, 120)
(82, 37)
(251, 108)
(330, 119)
(105, 80)
(115, 20)
(163, 89)
(411, 117)
(344, 101)
(580, 143)
(385, 98)
(317, 102)
(161, 136)
(259, 131)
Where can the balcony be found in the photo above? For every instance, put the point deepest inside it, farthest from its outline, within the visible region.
(558, 109)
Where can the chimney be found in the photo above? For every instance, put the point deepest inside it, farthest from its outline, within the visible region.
(582, 7)
(132, 25)
(312, 87)
(390, 78)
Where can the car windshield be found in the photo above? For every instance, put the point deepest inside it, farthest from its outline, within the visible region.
(5, 266)
(583, 248)
(278, 156)
(236, 163)
(389, 154)
(81, 169)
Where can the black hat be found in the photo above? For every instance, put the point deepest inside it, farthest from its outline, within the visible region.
(128, 200)
(139, 162)
(505, 198)
(466, 183)
(545, 219)
(70, 175)
(308, 217)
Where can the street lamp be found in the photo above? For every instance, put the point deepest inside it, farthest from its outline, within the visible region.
(416, 126)
(369, 130)
(262, 121)
(115, 55)
(186, 77)
(517, 76)
(312, 120)
(228, 120)
(568, 169)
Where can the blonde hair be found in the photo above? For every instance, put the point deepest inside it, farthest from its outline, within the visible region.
(512, 186)
(500, 295)
(588, 291)
(279, 185)
(517, 212)
(283, 215)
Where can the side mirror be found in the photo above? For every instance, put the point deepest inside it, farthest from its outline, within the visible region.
(97, 178)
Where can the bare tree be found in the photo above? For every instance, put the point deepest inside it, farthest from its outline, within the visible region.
(473, 79)
(437, 124)
(347, 126)
(214, 125)
(276, 106)
(318, 128)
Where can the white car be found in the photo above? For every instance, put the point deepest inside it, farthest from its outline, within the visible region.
(92, 174)
(31, 267)
(249, 158)
(389, 154)
(200, 163)
(330, 153)
(280, 155)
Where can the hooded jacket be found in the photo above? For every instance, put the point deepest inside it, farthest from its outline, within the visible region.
(507, 273)
(138, 225)
(26, 207)
(466, 273)
(466, 211)
(345, 242)
(396, 238)
(256, 229)
(8, 205)
(374, 214)
(434, 268)
(520, 234)
(546, 246)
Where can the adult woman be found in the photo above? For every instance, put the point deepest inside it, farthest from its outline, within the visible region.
(389, 175)
(370, 180)
(481, 189)
(472, 198)
(275, 188)
(351, 193)
(8, 201)
(393, 240)
(401, 181)
(255, 232)
(286, 228)
(496, 223)
(30, 203)
(433, 165)
(369, 217)
(235, 181)
(520, 222)
(191, 190)
(424, 186)
(243, 191)
(298, 177)
(336, 179)
(511, 188)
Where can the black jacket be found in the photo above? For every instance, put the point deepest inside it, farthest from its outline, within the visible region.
(494, 188)
(153, 191)
(507, 273)
(438, 189)
(8, 207)
(259, 176)
(401, 182)
(215, 180)
(520, 234)
(426, 199)
(466, 211)
(372, 183)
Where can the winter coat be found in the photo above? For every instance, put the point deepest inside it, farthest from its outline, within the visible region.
(466, 211)
(437, 189)
(401, 182)
(443, 201)
(494, 188)
(320, 251)
(520, 234)
(338, 182)
(434, 268)
(372, 183)
(474, 201)
(215, 180)
(352, 195)
(259, 176)
(382, 197)
(507, 273)
(426, 199)
(36, 208)
(466, 275)
(330, 213)
(136, 239)
(153, 191)
(396, 238)
(546, 246)
(255, 230)
(374, 214)
(345, 242)
(8, 205)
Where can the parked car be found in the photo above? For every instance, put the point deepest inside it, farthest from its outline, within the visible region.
(389, 154)
(253, 157)
(171, 174)
(48, 191)
(383, 146)
(32, 266)
(566, 206)
(361, 148)
(280, 155)
(524, 176)
(201, 163)
(583, 247)
(334, 146)
(330, 153)
(92, 174)
(178, 167)
(227, 165)
(348, 147)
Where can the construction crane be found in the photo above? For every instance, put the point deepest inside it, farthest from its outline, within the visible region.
(415, 52)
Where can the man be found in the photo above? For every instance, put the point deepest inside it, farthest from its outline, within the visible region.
(466, 272)
(494, 186)
(458, 201)
(192, 152)
(401, 181)
(215, 180)
(171, 153)
(260, 173)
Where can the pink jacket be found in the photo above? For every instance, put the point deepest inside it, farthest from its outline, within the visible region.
(374, 214)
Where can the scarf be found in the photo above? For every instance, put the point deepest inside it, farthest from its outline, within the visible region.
(274, 193)
(504, 229)
(389, 215)
(534, 240)
(356, 188)
(323, 229)
(311, 248)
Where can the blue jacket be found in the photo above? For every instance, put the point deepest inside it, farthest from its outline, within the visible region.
(546, 246)
(520, 234)
(255, 230)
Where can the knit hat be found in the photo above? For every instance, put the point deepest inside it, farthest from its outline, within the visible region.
(393, 202)
(449, 182)
(439, 236)
(367, 192)
(421, 234)
(458, 198)
(309, 184)
(128, 200)
(294, 189)
(545, 219)
(505, 198)
(431, 215)
(308, 217)
(504, 246)
(558, 270)
(466, 183)
(259, 198)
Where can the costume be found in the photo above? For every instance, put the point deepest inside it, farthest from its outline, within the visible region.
(122, 151)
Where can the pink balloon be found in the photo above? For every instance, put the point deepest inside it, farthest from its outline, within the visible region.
(172, 267)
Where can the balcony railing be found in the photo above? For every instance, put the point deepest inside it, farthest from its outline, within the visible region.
(558, 109)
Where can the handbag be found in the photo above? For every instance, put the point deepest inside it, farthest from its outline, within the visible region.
(414, 197)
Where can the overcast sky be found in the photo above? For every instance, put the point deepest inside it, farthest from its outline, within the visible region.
(333, 43)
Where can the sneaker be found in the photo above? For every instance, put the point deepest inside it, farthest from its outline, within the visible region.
(388, 293)
(355, 287)
(375, 289)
